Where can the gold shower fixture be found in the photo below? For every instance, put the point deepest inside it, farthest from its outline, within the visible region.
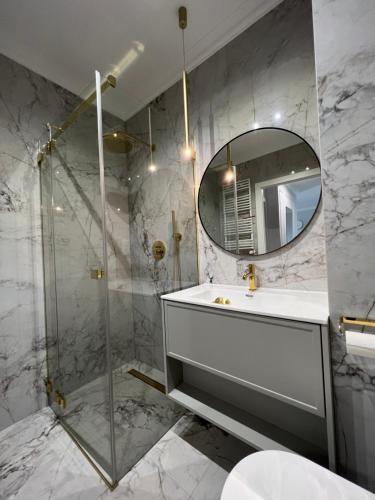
(188, 152)
(120, 141)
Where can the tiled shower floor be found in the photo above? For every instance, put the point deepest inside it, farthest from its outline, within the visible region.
(39, 461)
(142, 415)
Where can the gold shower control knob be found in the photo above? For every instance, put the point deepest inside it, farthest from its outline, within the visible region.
(158, 249)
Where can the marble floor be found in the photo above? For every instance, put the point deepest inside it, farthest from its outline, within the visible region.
(142, 415)
(39, 461)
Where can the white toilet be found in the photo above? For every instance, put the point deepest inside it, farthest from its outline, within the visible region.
(278, 475)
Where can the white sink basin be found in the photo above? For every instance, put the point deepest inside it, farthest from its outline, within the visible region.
(297, 305)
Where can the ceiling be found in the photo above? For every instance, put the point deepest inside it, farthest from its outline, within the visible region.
(138, 41)
(256, 144)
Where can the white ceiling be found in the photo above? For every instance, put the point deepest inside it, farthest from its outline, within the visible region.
(137, 40)
(256, 144)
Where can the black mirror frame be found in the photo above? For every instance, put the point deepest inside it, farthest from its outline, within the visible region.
(300, 233)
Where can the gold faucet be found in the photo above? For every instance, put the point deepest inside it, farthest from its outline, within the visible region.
(250, 273)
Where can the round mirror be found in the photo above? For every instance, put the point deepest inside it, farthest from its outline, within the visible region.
(260, 191)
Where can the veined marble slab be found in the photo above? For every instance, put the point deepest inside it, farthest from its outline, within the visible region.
(345, 63)
(38, 460)
(269, 68)
(142, 415)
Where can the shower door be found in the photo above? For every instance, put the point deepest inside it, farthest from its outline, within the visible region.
(76, 288)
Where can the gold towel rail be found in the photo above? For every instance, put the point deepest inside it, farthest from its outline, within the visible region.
(346, 320)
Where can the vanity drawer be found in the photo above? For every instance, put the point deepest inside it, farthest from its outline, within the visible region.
(280, 358)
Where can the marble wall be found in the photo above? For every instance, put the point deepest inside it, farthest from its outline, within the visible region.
(345, 62)
(152, 197)
(27, 103)
(268, 69)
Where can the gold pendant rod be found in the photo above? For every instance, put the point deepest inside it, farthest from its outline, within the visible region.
(186, 112)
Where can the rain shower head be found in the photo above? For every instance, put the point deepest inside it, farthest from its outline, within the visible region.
(119, 141)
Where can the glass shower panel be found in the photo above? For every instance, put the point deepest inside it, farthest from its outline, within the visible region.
(75, 230)
(53, 367)
(139, 205)
(103, 280)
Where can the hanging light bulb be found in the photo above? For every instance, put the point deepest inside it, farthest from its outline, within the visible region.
(229, 174)
(188, 151)
(152, 166)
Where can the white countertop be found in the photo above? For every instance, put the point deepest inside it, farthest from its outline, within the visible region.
(298, 305)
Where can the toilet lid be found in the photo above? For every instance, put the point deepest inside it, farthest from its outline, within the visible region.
(278, 475)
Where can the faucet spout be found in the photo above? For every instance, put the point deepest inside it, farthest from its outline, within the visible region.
(250, 274)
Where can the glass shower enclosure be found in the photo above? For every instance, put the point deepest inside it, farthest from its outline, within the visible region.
(106, 393)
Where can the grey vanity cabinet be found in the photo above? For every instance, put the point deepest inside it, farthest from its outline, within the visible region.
(220, 361)
(277, 357)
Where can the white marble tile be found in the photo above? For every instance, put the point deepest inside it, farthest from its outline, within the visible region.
(38, 460)
(27, 102)
(142, 415)
(247, 81)
(345, 63)
(211, 484)
(180, 461)
(269, 67)
(146, 481)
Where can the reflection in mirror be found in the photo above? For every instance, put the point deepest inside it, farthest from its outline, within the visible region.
(260, 191)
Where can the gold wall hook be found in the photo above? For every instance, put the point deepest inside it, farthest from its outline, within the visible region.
(96, 274)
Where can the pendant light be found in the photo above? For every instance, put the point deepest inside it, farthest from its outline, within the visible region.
(229, 175)
(188, 151)
(152, 166)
